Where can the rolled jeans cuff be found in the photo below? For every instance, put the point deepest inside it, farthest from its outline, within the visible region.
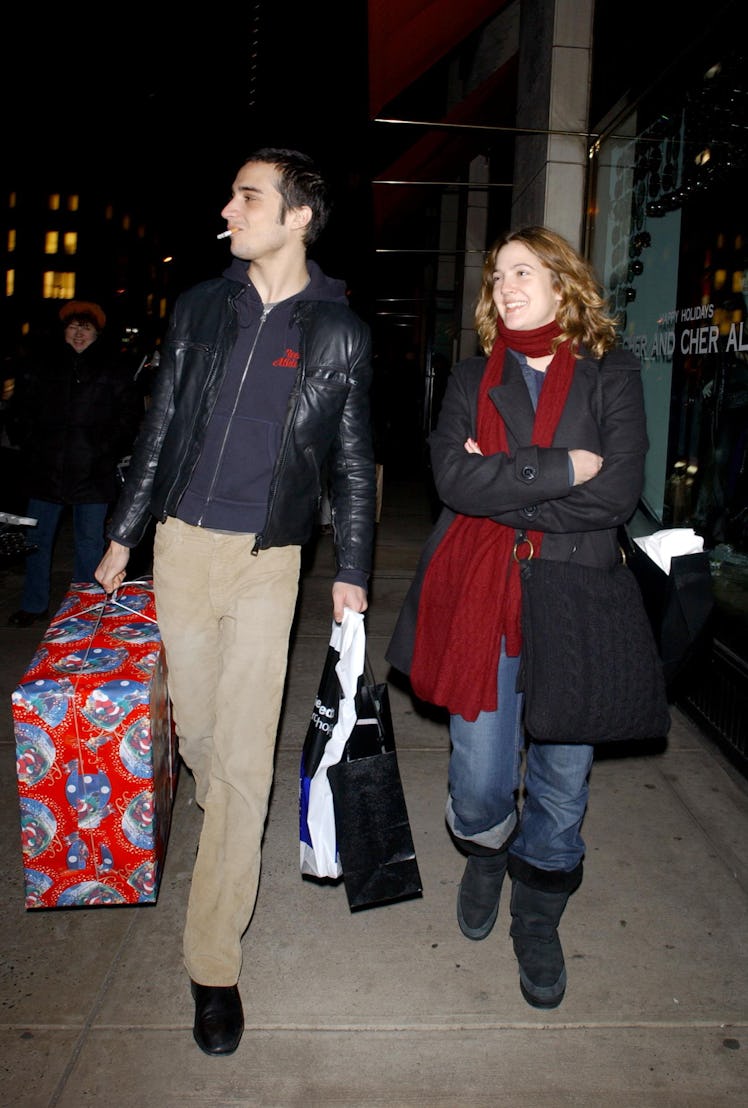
(491, 841)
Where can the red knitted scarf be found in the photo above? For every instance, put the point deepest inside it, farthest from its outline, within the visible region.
(470, 596)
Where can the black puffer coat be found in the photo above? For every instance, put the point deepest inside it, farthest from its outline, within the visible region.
(73, 416)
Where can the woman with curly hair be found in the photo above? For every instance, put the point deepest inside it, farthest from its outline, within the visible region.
(544, 438)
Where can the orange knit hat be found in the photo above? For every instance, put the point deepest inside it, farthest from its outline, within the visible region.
(83, 309)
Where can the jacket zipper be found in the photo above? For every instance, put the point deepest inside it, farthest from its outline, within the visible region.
(290, 421)
(265, 313)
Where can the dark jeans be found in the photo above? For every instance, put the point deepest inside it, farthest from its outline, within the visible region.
(88, 531)
(485, 778)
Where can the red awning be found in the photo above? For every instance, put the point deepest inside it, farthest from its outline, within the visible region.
(408, 37)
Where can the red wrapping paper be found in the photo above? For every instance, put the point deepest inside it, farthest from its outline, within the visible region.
(95, 753)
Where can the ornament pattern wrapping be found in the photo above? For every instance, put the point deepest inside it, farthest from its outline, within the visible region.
(95, 753)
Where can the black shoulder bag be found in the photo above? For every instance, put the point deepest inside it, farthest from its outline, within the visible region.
(590, 671)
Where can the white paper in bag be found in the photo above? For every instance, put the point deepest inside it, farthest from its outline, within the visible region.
(665, 545)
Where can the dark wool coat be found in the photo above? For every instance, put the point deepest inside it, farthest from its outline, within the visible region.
(74, 416)
(528, 488)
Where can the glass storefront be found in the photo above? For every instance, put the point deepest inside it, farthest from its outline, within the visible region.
(668, 234)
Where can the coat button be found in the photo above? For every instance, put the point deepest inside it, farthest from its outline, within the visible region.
(530, 511)
(529, 473)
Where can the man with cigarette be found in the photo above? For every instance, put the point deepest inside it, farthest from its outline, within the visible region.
(263, 382)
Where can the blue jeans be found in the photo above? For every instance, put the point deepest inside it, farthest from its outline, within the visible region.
(484, 782)
(88, 532)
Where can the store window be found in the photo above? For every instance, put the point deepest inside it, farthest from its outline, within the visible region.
(669, 236)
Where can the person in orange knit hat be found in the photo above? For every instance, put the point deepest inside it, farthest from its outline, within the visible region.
(74, 415)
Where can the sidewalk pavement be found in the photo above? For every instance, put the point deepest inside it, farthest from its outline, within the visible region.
(392, 1005)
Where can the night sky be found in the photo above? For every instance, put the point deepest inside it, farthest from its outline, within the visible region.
(164, 116)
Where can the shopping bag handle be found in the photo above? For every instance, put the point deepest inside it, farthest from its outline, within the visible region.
(369, 708)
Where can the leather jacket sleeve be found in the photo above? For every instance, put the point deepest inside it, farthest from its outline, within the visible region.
(327, 422)
(329, 425)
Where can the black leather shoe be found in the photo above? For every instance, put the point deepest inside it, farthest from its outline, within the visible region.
(219, 1018)
(22, 618)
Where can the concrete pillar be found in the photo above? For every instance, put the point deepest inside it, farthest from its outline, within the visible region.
(476, 223)
(553, 95)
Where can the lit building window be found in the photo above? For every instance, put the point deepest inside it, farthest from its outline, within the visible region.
(126, 222)
(54, 202)
(51, 242)
(109, 212)
(73, 202)
(70, 242)
(11, 240)
(12, 199)
(58, 286)
(10, 282)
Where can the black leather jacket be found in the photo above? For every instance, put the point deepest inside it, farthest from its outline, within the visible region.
(327, 422)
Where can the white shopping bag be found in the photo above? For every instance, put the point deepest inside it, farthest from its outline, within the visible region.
(333, 719)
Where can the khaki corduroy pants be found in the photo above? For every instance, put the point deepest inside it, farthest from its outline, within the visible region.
(225, 619)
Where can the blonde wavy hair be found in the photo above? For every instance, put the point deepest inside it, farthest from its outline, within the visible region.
(582, 314)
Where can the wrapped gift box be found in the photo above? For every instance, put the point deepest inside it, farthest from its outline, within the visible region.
(96, 753)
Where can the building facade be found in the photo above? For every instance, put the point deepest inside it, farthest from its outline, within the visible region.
(628, 135)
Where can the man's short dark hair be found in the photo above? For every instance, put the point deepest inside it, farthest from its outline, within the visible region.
(300, 184)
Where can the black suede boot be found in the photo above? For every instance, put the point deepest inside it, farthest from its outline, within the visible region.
(537, 904)
(479, 892)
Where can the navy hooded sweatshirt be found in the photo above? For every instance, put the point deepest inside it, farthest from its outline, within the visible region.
(230, 485)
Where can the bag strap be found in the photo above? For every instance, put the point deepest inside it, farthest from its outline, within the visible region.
(368, 674)
(368, 706)
(367, 681)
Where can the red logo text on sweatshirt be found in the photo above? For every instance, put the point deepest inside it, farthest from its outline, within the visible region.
(290, 359)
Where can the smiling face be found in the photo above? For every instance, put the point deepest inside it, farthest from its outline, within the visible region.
(79, 334)
(523, 290)
(255, 215)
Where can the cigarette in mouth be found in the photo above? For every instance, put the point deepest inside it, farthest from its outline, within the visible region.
(225, 234)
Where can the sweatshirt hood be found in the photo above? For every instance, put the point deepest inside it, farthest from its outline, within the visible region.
(320, 287)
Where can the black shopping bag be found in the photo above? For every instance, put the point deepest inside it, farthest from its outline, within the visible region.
(679, 605)
(374, 838)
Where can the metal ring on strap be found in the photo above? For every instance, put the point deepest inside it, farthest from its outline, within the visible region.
(522, 542)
